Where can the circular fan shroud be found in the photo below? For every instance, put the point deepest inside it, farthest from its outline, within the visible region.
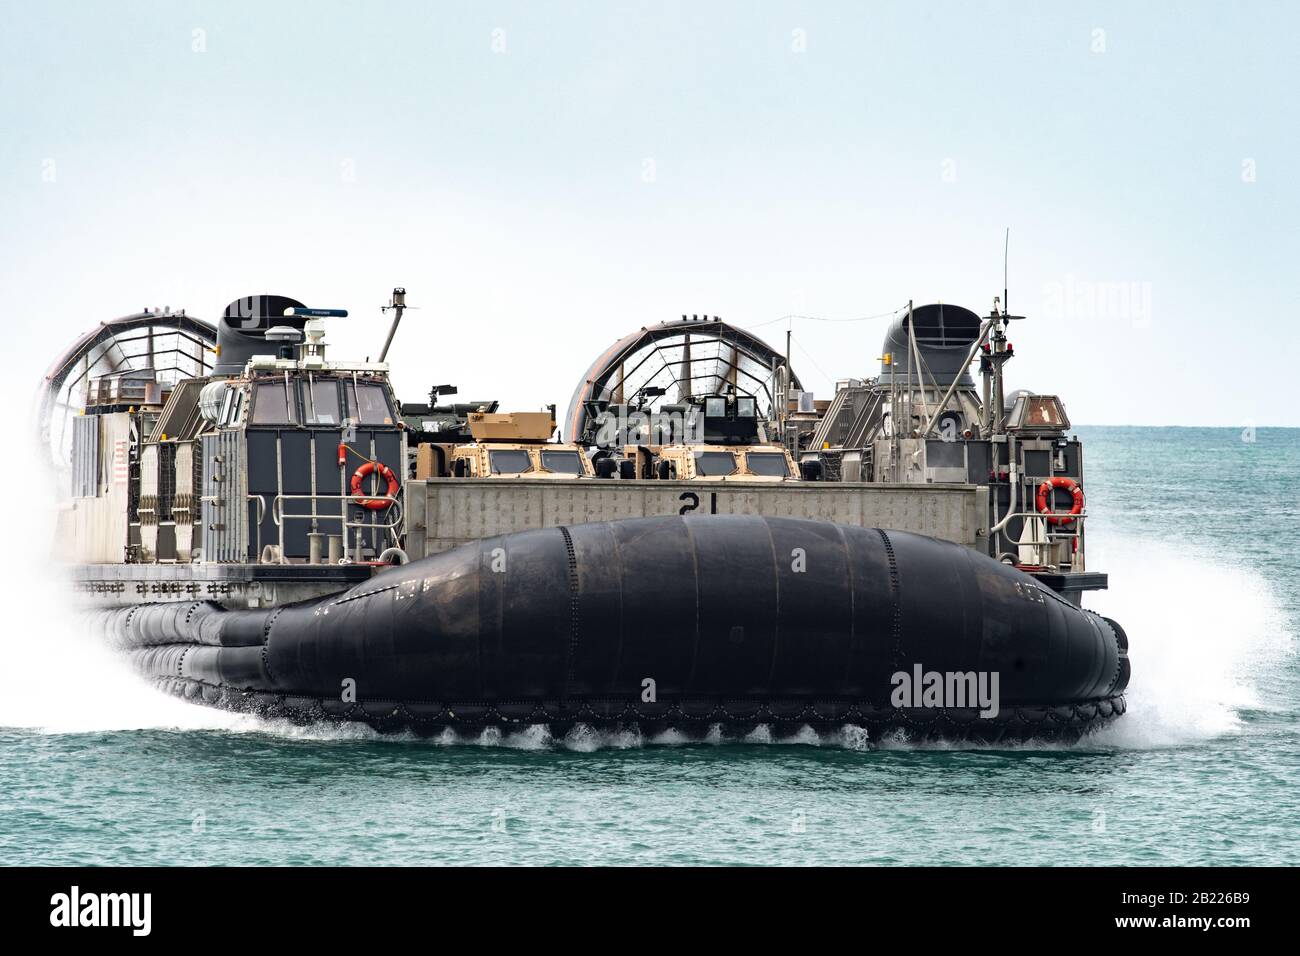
(684, 359)
(174, 345)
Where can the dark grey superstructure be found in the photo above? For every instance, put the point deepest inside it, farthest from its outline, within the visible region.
(924, 420)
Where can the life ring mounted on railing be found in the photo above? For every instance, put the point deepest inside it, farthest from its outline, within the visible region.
(1045, 499)
(385, 473)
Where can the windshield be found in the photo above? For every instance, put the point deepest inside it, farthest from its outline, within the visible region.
(565, 462)
(510, 461)
(368, 404)
(769, 464)
(323, 403)
(272, 404)
(711, 464)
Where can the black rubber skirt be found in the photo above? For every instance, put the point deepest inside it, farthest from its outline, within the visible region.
(668, 622)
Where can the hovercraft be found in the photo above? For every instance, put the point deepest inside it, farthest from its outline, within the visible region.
(274, 532)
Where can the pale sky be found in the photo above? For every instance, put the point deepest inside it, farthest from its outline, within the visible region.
(545, 177)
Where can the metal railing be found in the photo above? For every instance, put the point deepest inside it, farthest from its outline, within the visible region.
(389, 528)
(1054, 534)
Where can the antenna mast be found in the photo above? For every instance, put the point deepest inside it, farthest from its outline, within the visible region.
(398, 305)
(1006, 248)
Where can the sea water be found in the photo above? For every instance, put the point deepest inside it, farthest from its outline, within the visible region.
(1199, 530)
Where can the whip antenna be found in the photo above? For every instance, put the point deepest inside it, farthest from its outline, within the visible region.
(1006, 248)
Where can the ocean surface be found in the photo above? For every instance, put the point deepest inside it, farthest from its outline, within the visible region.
(1198, 528)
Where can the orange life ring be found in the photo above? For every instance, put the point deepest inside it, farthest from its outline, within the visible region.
(1045, 499)
(384, 472)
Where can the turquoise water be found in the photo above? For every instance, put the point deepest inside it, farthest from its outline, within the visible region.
(1198, 528)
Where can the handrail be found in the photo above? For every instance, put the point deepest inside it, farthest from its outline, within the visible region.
(1058, 531)
(278, 515)
(1053, 533)
(261, 516)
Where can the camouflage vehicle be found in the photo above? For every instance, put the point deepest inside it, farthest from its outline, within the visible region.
(723, 441)
(517, 445)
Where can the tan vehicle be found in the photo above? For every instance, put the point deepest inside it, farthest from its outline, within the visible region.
(509, 445)
(699, 462)
(723, 440)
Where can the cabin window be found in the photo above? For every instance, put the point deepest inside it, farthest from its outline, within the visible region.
(712, 464)
(715, 408)
(745, 408)
(564, 462)
(1043, 412)
(767, 464)
(323, 397)
(368, 404)
(273, 404)
(510, 461)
